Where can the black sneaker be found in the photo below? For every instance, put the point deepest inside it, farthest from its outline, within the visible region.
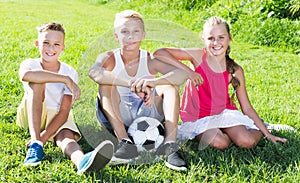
(126, 152)
(174, 158)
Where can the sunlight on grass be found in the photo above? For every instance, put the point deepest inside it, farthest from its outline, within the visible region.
(272, 79)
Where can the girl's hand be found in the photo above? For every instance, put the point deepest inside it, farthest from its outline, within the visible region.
(196, 78)
(276, 139)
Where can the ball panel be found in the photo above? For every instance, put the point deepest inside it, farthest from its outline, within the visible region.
(161, 130)
(142, 125)
(139, 137)
(147, 133)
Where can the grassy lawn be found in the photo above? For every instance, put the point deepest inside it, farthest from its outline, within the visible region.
(272, 81)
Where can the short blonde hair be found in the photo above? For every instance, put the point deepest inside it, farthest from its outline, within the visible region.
(54, 26)
(127, 14)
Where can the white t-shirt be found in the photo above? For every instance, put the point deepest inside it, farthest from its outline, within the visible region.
(54, 91)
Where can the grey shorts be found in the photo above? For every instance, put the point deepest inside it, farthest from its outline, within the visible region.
(131, 109)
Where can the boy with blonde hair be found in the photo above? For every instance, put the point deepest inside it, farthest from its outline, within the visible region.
(128, 89)
(50, 88)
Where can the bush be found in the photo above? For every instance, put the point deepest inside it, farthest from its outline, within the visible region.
(270, 23)
(283, 9)
(280, 33)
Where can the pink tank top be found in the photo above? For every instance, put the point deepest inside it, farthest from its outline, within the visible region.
(208, 99)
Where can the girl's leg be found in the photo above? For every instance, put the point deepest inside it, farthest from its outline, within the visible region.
(214, 138)
(65, 140)
(243, 137)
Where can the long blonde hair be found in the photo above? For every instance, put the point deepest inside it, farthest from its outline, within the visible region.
(231, 66)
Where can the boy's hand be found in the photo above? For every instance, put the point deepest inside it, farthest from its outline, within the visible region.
(196, 78)
(143, 91)
(74, 88)
(141, 85)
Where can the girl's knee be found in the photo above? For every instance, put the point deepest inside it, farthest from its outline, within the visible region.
(219, 141)
(220, 144)
(248, 142)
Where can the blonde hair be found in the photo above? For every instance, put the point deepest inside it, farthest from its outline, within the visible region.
(231, 66)
(54, 26)
(127, 14)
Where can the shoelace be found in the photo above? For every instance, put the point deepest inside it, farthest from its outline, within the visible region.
(32, 152)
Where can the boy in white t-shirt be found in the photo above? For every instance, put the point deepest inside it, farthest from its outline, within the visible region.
(50, 88)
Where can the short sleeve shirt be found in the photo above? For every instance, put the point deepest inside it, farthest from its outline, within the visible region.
(54, 91)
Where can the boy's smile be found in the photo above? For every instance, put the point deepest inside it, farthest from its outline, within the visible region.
(50, 44)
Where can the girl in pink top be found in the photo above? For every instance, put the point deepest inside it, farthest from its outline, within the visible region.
(209, 115)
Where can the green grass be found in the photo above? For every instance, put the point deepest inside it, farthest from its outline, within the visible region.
(272, 81)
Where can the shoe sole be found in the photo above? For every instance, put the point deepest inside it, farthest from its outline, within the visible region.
(101, 157)
(32, 164)
(117, 161)
(176, 167)
(278, 127)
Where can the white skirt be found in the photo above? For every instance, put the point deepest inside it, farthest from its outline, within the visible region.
(228, 118)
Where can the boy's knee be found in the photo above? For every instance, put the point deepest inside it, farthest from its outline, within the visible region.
(107, 90)
(170, 90)
(36, 86)
(64, 134)
(37, 89)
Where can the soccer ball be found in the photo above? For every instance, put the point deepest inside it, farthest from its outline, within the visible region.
(147, 133)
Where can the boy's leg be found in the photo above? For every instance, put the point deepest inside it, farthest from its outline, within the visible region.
(170, 109)
(35, 98)
(65, 139)
(110, 101)
(243, 137)
(92, 161)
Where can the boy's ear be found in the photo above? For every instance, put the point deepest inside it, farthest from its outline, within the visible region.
(116, 35)
(144, 35)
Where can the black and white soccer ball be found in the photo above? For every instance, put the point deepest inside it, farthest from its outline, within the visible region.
(147, 133)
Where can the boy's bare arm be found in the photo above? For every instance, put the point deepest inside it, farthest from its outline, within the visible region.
(60, 118)
(171, 74)
(101, 73)
(43, 76)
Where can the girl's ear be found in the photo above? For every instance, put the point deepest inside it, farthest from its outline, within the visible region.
(230, 37)
(37, 43)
